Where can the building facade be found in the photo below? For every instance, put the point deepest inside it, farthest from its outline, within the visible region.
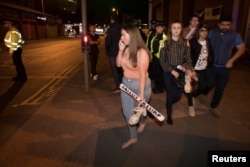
(170, 10)
(33, 17)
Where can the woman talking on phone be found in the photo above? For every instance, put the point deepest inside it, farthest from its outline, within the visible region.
(134, 58)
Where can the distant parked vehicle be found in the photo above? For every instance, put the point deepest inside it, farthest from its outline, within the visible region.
(99, 31)
(71, 33)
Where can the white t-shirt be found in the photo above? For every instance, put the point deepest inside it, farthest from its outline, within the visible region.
(201, 63)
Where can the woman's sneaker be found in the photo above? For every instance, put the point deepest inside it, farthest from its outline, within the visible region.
(191, 111)
(95, 77)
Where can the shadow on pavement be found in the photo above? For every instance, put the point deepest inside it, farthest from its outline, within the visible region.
(161, 148)
(7, 97)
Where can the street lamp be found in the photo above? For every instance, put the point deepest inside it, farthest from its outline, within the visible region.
(44, 19)
(115, 10)
(85, 42)
(42, 7)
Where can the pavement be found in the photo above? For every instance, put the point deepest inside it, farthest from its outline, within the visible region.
(79, 128)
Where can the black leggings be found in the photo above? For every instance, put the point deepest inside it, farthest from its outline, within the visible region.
(93, 57)
(173, 92)
(17, 61)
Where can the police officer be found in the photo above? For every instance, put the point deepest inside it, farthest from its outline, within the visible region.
(157, 43)
(150, 36)
(13, 40)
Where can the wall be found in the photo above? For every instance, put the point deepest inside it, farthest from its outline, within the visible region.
(29, 30)
(247, 36)
(171, 10)
(27, 22)
(227, 8)
(238, 9)
(175, 6)
(157, 11)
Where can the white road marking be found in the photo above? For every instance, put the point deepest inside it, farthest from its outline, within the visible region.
(51, 85)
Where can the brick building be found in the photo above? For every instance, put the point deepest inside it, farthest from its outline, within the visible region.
(170, 10)
(30, 19)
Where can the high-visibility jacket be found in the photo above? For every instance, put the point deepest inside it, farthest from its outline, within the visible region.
(150, 36)
(157, 43)
(13, 40)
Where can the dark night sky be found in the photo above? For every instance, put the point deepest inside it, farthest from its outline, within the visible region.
(99, 11)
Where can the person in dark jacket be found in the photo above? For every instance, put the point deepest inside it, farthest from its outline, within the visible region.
(150, 36)
(111, 45)
(223, 42)
(94, 51)
(189, 31)
(202, 57)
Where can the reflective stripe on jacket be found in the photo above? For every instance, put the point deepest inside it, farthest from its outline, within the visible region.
(13, 40)
(157, 43)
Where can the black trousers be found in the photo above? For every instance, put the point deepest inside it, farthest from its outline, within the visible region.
(157, 72)
(18, 62)
(93, 57)
(217, 77)
(173, 94)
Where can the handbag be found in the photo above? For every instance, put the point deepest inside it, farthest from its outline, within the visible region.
(180, 81)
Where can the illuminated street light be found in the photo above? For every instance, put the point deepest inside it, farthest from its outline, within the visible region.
(115, 10)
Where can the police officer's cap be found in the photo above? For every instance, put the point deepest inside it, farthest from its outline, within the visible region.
(160, 23)
(7, 22)
(153, 21)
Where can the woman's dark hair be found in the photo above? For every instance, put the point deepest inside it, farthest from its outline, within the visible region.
(194, 15)
(203, 26)
(197, 35)
(225, 18)
(90, 25)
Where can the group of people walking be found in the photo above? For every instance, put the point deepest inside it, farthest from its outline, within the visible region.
(207, 56)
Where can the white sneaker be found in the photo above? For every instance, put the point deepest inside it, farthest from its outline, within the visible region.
(95, 77)
(191, 111)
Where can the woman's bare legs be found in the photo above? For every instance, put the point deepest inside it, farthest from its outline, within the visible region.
(128, 143)
(141, 127)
